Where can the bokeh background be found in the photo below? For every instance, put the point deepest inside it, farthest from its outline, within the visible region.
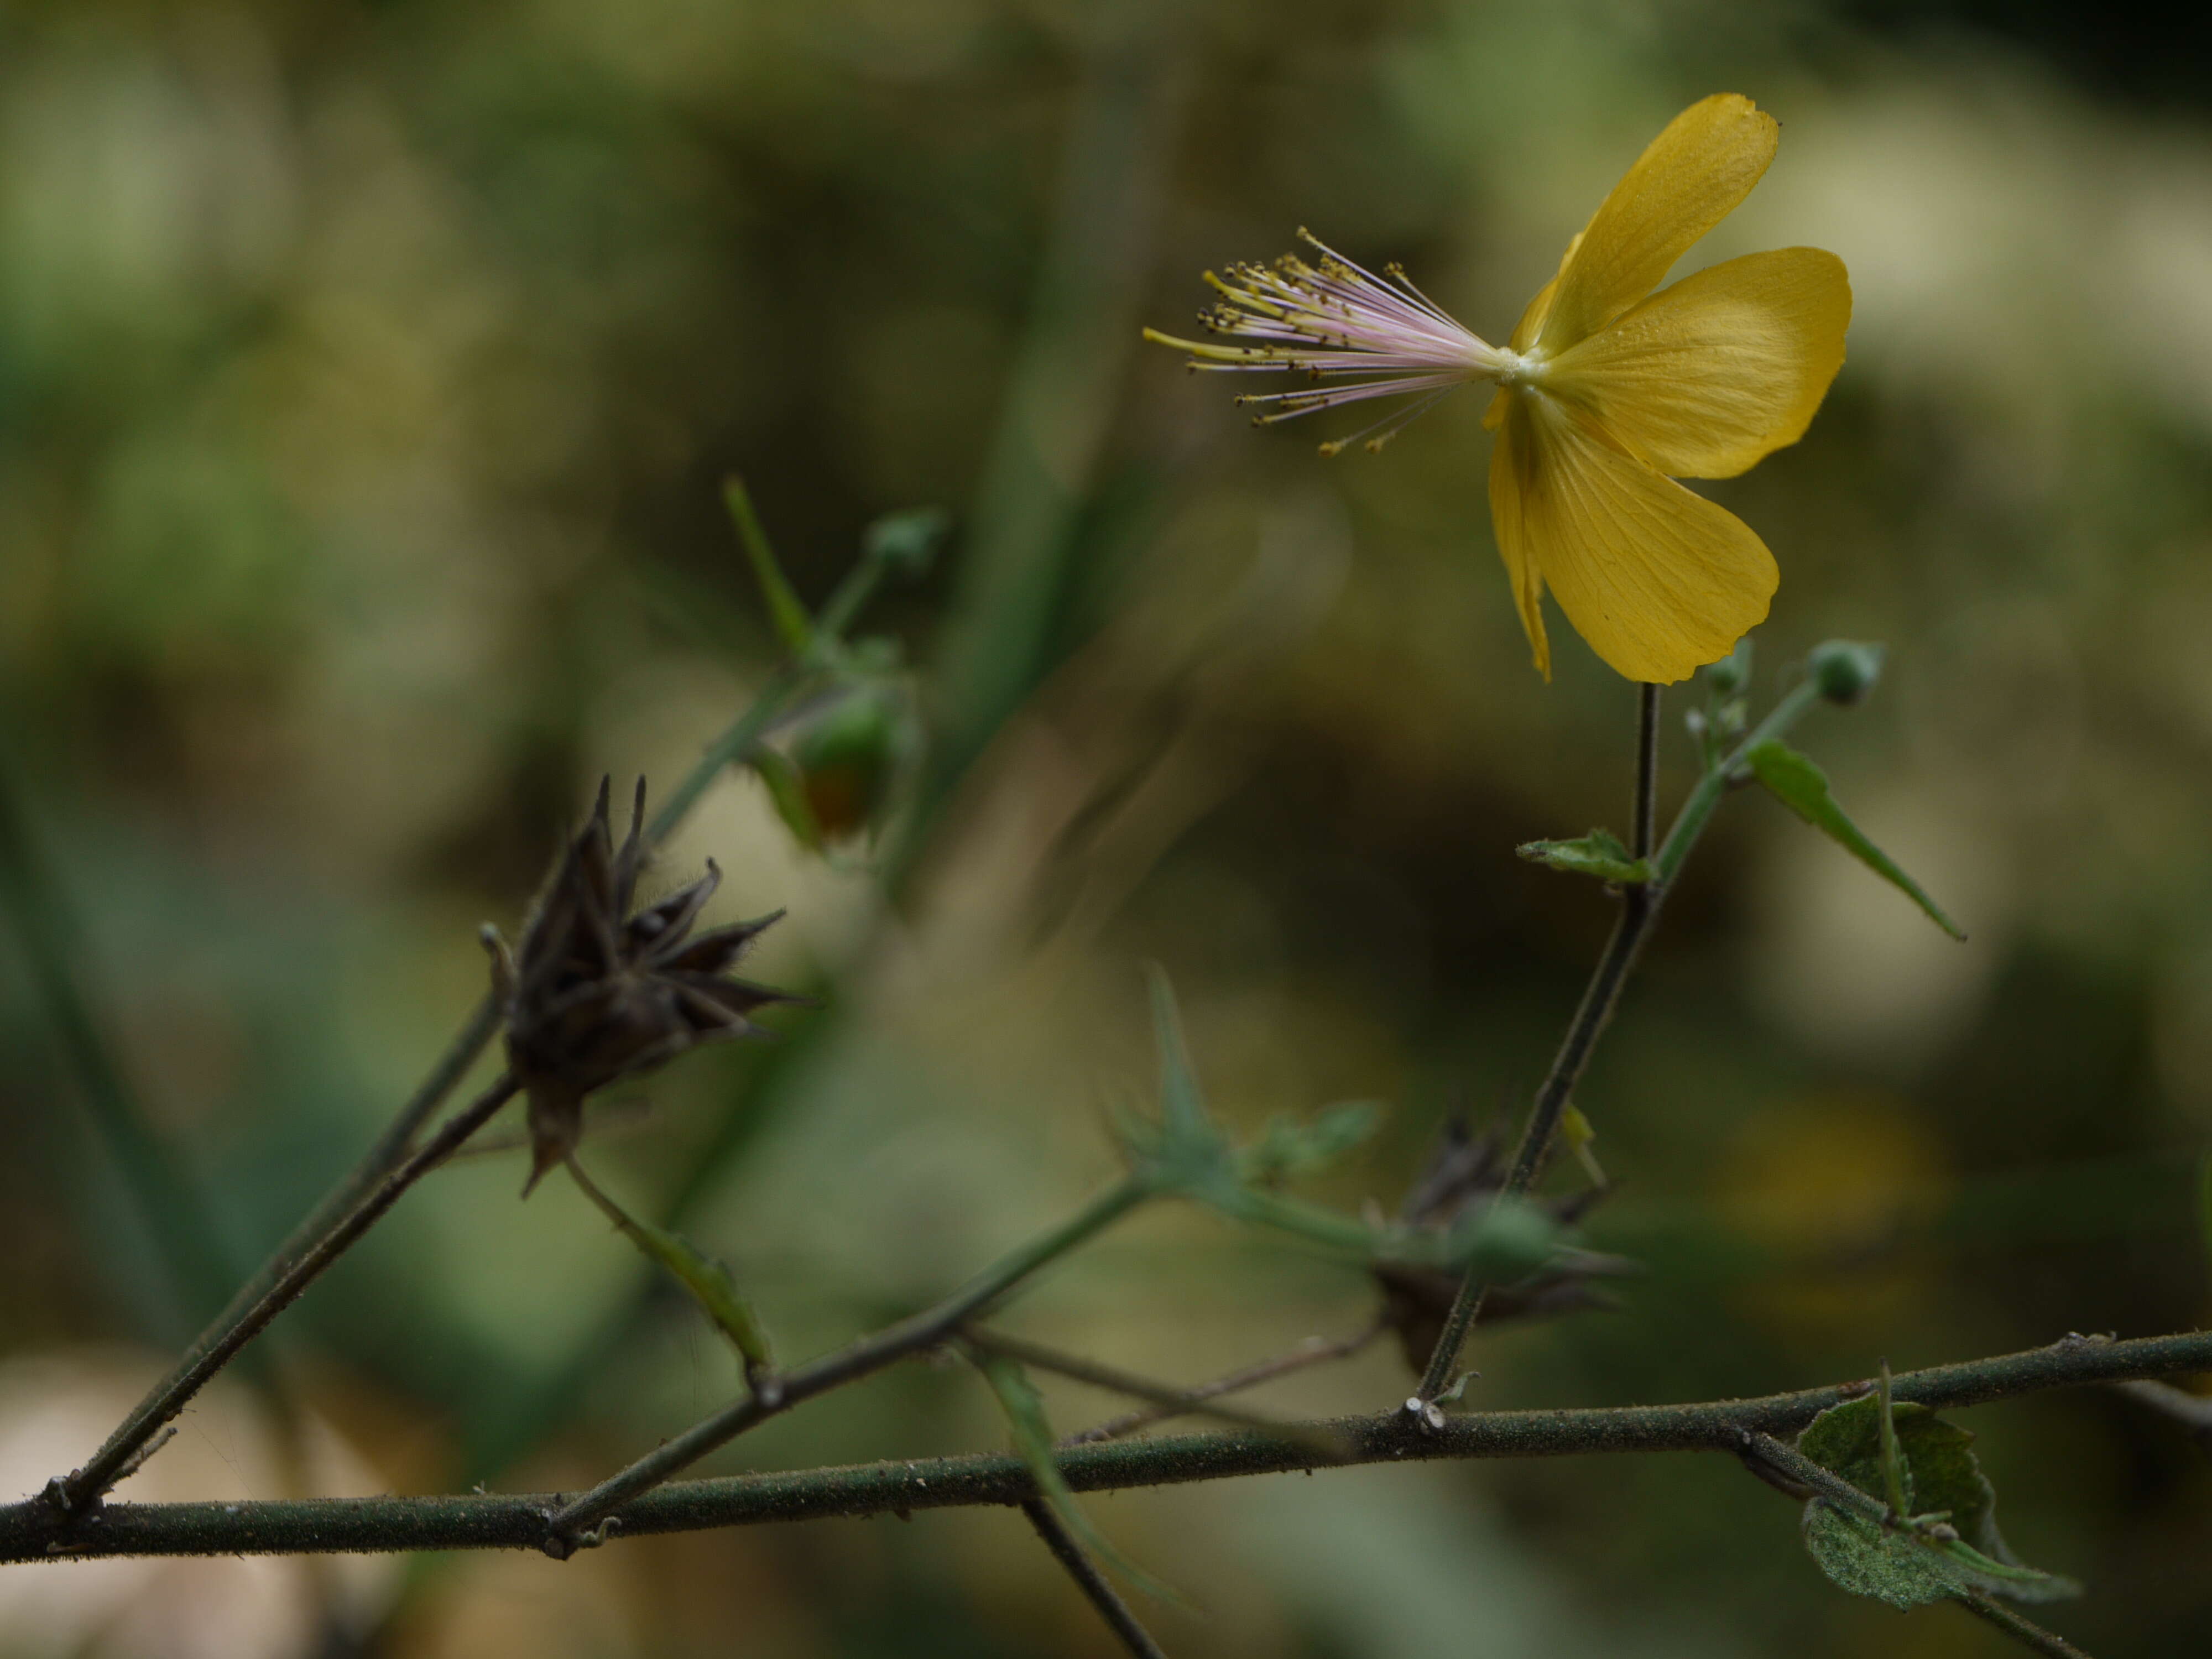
(367, 376)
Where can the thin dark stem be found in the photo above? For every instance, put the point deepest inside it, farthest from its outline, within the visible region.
(1643, 828)
(1315, 1351)
(1639, 909)
(2026, 1631)
(1093, 1583)
(33, 1531)
(86, 1485)
(1162, 1396)
(573, 1523)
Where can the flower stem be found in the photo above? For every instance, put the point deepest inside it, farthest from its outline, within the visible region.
(1639, 910)
(573, 1523)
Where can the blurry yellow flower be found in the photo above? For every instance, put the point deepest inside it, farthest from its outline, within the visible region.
(1606, 393)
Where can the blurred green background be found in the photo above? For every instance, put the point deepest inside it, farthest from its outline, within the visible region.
(367, 373)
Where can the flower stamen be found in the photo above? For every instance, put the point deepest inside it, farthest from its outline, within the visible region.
(1330, 319)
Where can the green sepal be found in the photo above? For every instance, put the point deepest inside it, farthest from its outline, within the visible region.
(793, 625)
(1802, 786)
(1287, 1147)
(1940, 1480)
(1599, 853)
(1033, 1439)
(787, 790)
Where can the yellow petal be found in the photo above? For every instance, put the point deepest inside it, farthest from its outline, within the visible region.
(1705, 377)
(1659, 581)
(1694, 172)
(1511, 469)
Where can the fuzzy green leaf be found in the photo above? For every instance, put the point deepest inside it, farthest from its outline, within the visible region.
(1033, 1439)
(1938, 1476)
(1802, 786)
(1599, 853)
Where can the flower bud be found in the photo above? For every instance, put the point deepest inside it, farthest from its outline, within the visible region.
(1844, 670)
(846, 758)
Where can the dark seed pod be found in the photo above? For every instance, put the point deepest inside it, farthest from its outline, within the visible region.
(1464, 1172)
(594, 992)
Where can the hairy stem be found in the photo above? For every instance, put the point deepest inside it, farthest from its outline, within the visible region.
(1091, 1582)
(1639, 909)
(83, 1488)
(570, 1523)
(33, 1531)
(2024, 1631)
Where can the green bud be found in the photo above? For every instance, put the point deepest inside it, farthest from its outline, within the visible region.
(907, 541)
(1732, 672)
(1844, 670)
(846, 757)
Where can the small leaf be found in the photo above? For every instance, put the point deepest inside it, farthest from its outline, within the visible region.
(786, 790)
(793, 625)
(1599, 853)
(1191, 1150)
(707, 1279)
(1025, 1409)
(1288, 1148)
(1801, 787)
(1938, 1475)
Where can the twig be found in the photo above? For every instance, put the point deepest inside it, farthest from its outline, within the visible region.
(1093, 1583)
(1115, 1380)
(1315, 1351)
(2024, 1631)
(569, 1525)
(80, 1491)
(1639, 909)
(32, 1531)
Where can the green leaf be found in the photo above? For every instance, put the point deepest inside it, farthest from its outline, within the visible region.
(1940, 1478)
(787, 789)
(707, 1279)
(1191, 1152)
(793, 625)
(1599, 853)
(1033, 1439)
(1801, 787)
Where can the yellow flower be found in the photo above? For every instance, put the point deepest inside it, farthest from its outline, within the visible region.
(1606, 393)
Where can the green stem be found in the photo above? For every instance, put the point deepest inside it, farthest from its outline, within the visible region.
(572, 1523)
(1639, 910)
(1091, 1582)
(2026, 1631)
(31, 1531)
